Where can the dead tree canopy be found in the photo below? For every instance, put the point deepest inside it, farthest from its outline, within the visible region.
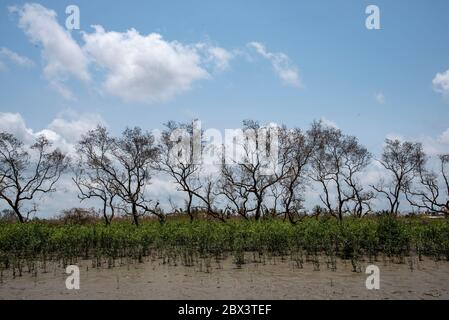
(431, 190)
(337, 162)
(28, 171)
(296, 151)
(402, 160)
(249, 176)
(125, 165)
(93, 182)
(177, 159)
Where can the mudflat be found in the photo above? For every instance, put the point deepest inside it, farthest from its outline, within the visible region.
(276, 279)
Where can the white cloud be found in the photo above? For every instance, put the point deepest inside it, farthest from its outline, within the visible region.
(62, 55)
(218, 57)
(143, 68)
(64, 131)
(435, 146)
(329, 123)
(281, 63)
(2, 66)
(72, 126)
(432, 146)
(14, 123)
(380, 98)
(15, 57)
(138, 68)
(441, 82)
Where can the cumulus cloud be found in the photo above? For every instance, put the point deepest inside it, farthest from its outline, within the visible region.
(72, 125)
(281, 63)
(62, 55)
(329, 123)
(432, 146)
(441, 82)
(15, 58)
(64, 131)
(143, 68)
(138, 68)
(15, 124)
(148, 68)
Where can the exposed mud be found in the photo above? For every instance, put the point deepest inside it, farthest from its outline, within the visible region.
(223, 280)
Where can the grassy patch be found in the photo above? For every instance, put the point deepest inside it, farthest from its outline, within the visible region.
(23, 247)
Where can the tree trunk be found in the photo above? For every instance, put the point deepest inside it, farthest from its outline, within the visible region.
(19, 215)
(135, 215)
(258, 209)
(189, 207)
(105, 214)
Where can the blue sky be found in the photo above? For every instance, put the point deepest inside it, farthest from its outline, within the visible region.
(342, 65)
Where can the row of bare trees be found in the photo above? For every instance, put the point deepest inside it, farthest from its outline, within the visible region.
(117, 171)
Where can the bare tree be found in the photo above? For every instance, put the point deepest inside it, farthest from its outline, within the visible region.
(403, 161)
(296, 150)
(362, 203)
(355, 159)
(180, 163)
(181, 149)
(26, 172)
(337, 162)
(432, 194)
(93, 185)
(237, 192)
(91, 180)
(209, 195)
(125, 166)
(276, 194)
(247, 179)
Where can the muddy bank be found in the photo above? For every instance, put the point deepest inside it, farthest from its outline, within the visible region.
(271, 280)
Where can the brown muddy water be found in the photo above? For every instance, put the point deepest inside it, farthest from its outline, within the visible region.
(276, 279)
